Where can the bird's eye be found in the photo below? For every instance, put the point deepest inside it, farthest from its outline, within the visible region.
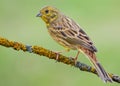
(46, 11)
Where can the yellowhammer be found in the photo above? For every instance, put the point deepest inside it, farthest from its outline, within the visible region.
(69, 34)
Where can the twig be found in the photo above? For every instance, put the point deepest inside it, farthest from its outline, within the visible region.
(51, 55)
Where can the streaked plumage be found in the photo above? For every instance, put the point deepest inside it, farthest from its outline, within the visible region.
(70, 35)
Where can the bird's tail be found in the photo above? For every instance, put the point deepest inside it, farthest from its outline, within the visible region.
(100, 70)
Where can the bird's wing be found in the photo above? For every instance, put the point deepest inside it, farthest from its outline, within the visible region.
(73, 34)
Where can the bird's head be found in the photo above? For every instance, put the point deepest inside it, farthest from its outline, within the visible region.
(48, 14)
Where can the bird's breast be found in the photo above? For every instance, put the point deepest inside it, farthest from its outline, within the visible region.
(56, 35)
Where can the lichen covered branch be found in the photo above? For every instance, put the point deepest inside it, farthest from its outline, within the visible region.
(51, 55)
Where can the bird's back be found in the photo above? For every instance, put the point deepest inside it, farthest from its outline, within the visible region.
(69, 34)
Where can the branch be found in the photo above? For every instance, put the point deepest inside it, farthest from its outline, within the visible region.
(51, 55)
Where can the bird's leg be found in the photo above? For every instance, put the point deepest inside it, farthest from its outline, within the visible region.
(76, 57)
(59, 52)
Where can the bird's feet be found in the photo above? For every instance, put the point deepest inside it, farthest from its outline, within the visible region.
(73, 59)
(58, 54)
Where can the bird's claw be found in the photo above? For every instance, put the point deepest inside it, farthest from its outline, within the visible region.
(73, 59)
(57, 55)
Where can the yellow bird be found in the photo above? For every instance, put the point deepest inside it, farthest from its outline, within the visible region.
(69, 34)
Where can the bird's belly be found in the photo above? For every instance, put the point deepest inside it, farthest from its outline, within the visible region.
(62, 41)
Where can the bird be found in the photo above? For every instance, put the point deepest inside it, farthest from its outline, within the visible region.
(71, 36)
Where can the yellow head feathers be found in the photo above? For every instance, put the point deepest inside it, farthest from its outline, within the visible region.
(48, 14)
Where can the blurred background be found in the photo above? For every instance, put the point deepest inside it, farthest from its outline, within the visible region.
(18, 22)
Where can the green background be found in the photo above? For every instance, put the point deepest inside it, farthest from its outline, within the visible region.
(18, 22)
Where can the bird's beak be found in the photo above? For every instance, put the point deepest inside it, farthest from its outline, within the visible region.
(39, 15)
